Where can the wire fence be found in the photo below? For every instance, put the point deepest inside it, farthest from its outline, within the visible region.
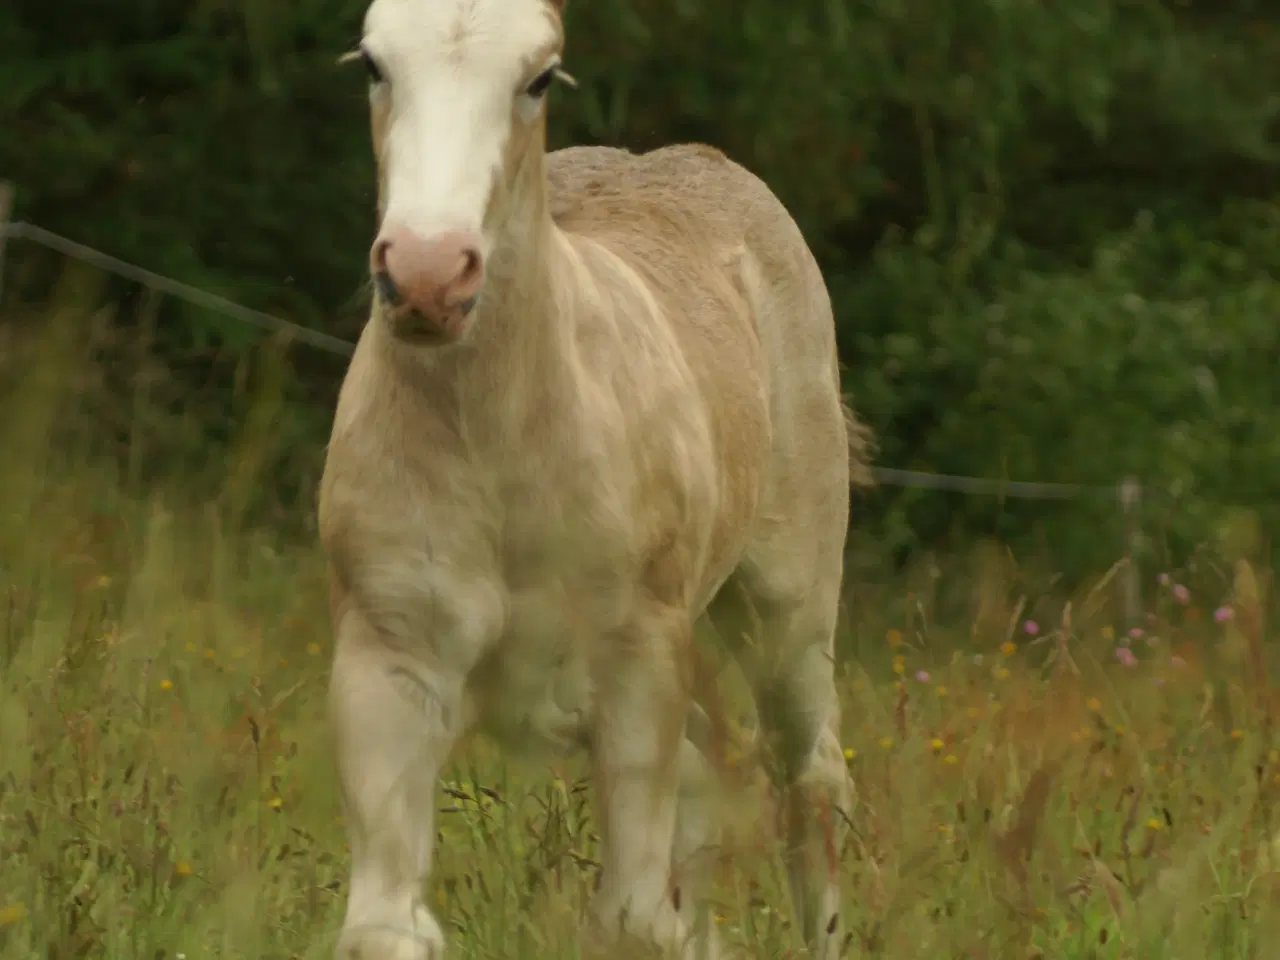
(1126, 492)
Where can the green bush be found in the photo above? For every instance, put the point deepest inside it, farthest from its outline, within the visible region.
(1048, 228)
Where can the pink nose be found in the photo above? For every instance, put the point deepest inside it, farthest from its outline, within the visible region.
(438, 277)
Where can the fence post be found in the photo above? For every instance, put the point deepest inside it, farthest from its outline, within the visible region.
(6, 210)
(1131, 582)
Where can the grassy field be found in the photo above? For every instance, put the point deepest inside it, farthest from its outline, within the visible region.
(1032, 780)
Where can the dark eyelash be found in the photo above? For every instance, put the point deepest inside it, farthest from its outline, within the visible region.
(540, 85)
(371, 65)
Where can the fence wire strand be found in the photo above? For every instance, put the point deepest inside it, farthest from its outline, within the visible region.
(890, 476)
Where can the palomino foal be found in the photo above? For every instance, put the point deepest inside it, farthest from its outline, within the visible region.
(597, 397)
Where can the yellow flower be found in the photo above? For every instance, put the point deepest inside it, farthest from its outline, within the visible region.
(104, 581)
(895, 638)
(951, 758)
(886, 743)
(182, 868)
(166, 685)
(208, 653)
(1094, 704)
(940, 691)
(1237, 734)
(313, 649)
(850, 753)
(1008, 648)
(899, 665)
(190, 648)
(936, 745)
(275, 803)
(1002, 673)
(1155, 824)
(1108, 633)
(12, 914)
(1119, 731)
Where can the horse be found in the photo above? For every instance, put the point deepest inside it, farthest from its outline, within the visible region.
(596, 402)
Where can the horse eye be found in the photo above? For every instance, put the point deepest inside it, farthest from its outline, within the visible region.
(371, 65)
(540, 85)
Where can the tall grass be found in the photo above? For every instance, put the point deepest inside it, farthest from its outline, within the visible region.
(1032, 780)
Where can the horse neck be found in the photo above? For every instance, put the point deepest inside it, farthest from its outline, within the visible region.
(516, 366)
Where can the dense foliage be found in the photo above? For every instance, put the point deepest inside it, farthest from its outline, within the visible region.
(1050, 229)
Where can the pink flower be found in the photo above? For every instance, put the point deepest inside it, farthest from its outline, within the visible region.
(1181, 594)
(1177, 662)
(1223, 614)
(1137, 633)
(1164, 579)
(1126, 657)
(923, 676)
(1031, 627)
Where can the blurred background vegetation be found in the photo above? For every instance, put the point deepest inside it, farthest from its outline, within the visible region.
(1051, 229)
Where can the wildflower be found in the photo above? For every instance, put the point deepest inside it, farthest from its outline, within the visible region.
(208, 653)
(1002, 673)
(941, 691)
(1237, 734)
(1177, 662)
(1031, 627)
(1223, 614)
(1181, 594)
(1155, 824)
(275, 803)
(166, 685)
(1119, 731)
(886, 743)
(1136, 633)
(951, 759)
(1008, 648)
(977, 659)
(182, 868)
(103, 581)
(895, 638)
(850, 753)
(190, 648)
(899, 665)
(12, 914)
(1126, 657)
(922, 676)
(1094, 705)
(313, 648)
(1164, 579)
(936, 745)
(1108, 632)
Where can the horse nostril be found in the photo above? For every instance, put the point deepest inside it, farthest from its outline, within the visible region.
(471, 265)
(386, 288)
(378, 261)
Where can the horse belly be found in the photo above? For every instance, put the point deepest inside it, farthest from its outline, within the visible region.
(535, 693)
